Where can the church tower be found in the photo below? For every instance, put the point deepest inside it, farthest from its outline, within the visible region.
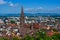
(22, 18)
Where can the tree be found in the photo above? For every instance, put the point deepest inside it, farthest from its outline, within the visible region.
(12, 21)
(56, 37)
(1, 38)
(55, 30)
(29, 38)
(40, 35)
(4, 38)
(16, 38)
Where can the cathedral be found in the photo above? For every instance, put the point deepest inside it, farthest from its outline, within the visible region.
(24, 28)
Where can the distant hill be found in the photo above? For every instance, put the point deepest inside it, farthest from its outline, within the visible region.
(32, 14)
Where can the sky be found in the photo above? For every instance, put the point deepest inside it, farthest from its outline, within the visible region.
(30, 6)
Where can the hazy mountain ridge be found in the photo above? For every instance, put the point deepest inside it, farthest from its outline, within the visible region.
(32, 14)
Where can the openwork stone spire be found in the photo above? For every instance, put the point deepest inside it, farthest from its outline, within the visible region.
(22, 18)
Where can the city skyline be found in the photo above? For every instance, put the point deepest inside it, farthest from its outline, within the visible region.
(30, 19)
(30, 6)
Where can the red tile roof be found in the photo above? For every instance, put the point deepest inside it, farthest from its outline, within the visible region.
(12, 25)
(50, 33)
(36, 25)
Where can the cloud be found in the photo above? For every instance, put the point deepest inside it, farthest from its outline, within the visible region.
(8, 3)
(34, 9)
(43, 10)
(40, 8)
(11, 4)
(58, 7)
(2, 2)
(54, 10)
(29, 9)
